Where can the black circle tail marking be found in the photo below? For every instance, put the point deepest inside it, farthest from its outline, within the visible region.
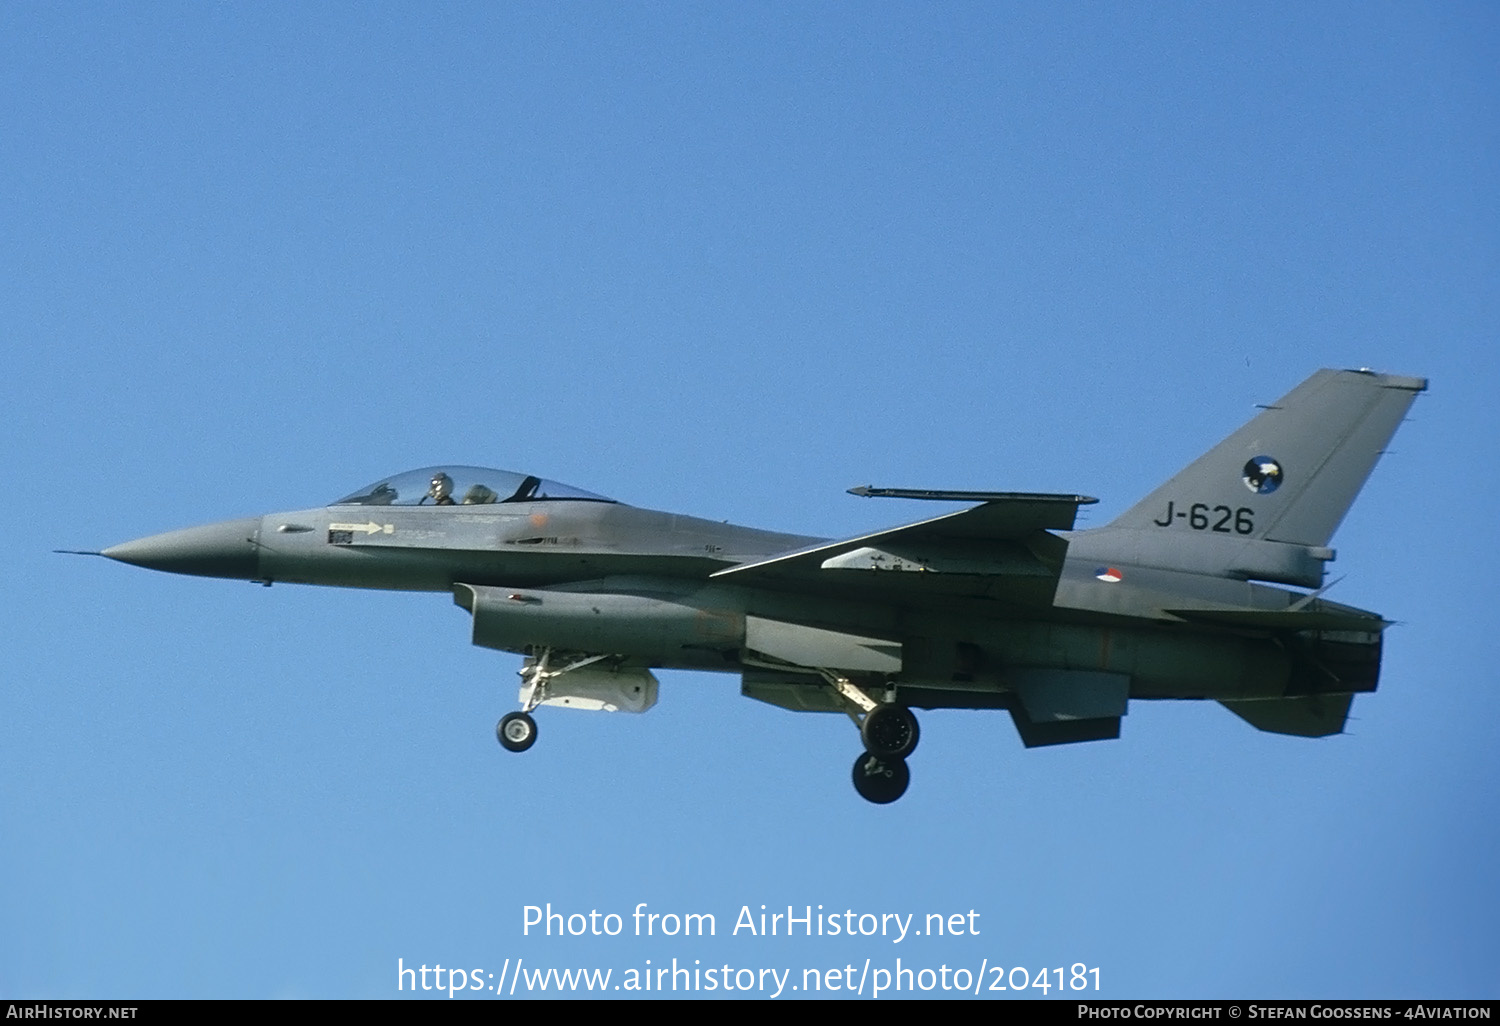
(1262, 475)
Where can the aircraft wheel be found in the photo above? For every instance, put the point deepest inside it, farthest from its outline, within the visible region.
(879, 780)
(890, 731)
(516, 731)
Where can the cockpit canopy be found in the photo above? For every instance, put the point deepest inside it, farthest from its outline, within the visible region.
(462, 486)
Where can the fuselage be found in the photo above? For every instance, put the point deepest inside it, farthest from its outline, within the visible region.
(597, 575)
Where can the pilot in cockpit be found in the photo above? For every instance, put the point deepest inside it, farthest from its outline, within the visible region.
(441, 491)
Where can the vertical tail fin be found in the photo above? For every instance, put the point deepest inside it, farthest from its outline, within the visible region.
(1290, 474)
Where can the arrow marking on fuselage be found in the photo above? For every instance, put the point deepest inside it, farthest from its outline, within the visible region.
(370, 528)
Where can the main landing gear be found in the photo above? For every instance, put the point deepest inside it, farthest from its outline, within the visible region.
(889, 733)
(880, 780)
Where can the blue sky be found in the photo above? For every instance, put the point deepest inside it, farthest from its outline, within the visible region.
(726, 260)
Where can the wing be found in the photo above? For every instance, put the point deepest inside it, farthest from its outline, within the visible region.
(1000, 549)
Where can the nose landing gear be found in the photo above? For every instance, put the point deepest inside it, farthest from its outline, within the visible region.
(577, 680)
(516, 731)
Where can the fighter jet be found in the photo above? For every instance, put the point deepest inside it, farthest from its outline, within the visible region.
(1210, 587)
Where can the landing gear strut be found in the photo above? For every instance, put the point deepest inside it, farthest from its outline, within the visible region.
(889, 733)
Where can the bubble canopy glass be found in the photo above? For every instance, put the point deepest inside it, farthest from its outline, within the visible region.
(465, 486)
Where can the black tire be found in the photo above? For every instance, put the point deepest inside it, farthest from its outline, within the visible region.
(890, 732)
(516, 731)
(878, 780)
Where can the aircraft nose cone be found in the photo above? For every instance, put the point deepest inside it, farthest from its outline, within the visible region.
(227, 549)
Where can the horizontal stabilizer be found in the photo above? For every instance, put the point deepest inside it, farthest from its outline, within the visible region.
(1304, 716)
(1285, 620)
